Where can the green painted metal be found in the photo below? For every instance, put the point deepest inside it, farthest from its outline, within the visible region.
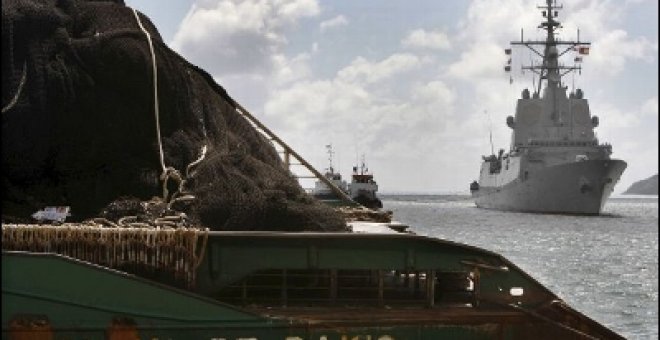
(80, 300)
(233, 255)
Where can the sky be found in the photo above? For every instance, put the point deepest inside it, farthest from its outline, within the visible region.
(415, 87)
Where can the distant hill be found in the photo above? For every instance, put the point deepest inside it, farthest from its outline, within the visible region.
(647, 186)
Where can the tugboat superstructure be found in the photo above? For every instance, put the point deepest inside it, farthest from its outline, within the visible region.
(321, 190)
(555, 163)
(363, 187)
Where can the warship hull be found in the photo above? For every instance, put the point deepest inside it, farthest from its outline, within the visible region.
(572, 188)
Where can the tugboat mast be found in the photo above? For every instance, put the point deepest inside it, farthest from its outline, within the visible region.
(330, 153)
(550, 69)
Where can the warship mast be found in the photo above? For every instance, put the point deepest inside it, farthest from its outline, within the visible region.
(550, 69)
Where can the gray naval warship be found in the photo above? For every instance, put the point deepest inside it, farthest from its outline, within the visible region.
(555, 163)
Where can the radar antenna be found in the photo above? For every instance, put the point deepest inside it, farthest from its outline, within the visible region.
(550, 69)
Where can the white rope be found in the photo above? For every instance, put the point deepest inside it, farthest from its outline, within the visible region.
(168, 171)
(155, 73)
(194, 163)
(18, 91)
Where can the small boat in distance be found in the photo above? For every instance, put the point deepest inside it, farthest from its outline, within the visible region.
(321, 191)
(555, 163)
(363, 187)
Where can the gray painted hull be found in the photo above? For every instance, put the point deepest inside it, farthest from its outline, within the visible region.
(572, 188)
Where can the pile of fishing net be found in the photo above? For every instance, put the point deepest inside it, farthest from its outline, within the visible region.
(79, 127)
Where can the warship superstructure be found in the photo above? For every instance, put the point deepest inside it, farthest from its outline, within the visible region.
(555, 163)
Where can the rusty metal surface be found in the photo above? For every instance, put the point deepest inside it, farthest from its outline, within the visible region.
(488, 323)
(30, 327)
(342, 316)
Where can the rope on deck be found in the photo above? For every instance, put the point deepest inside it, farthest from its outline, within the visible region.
(352, 214)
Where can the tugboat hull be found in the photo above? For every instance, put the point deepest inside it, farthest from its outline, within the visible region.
(572, 188)
(370, 202)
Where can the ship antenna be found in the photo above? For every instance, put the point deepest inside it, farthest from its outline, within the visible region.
(329, 147)
(531, 63)
(572, 82)
(355, 145)
(490, 132)
(362, 166)
(550, 49)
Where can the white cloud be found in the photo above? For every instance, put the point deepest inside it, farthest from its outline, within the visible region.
(633, 134)
(237, 37)
(291, 10)
(420, 38)
(591, 17)
(362, 70)
(486, 30)
(610, 52)
(289, 70)
(498, 21)
(480, 60)
(335, 22)
(650, 107)
(434, 94)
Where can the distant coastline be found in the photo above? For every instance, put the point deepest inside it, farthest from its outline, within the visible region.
(647, 186)
(426, 193)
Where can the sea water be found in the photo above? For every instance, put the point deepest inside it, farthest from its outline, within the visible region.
(603, 266)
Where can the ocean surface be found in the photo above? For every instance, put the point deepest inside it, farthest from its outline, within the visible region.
(604, 266)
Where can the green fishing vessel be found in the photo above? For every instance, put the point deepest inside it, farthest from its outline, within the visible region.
(100, 282)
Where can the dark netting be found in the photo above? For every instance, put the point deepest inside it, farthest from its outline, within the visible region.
(78, 126)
